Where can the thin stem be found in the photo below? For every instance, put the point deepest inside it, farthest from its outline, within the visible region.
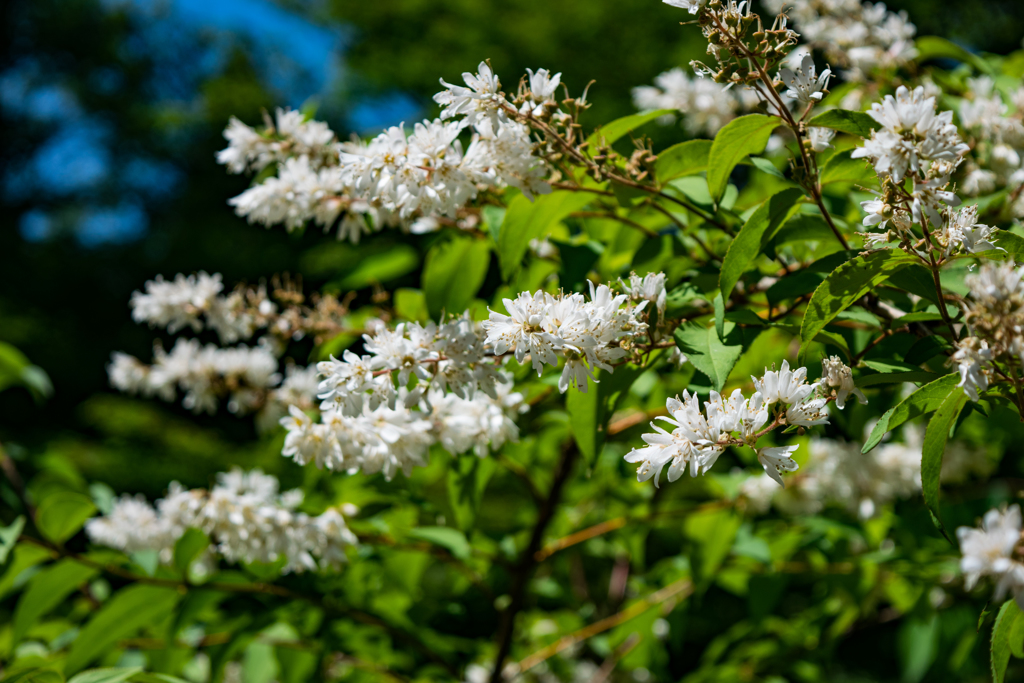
(528, 561)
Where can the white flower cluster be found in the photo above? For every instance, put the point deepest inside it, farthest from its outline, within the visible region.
(292, 136)
(203, 373)
(244, 516)
(995, 317)
(391, 439)
(699, 436)
(705, 105)
(587, 334)
(397, 179)
(804, 85)
(838, 474)
(991, 550)
(995, 121)
(196, 301)
(860, 36)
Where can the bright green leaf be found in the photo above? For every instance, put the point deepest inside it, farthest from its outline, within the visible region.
(935, 47)
(846, 121)
(453, 273)
(1005, 627)
(46, 590)
(451, 539)
(9, 537)
(526, 220)
(685, 158)
(842, 169)
(127, 611)
(381, 267)
(741, 137)
(25, 557)
(845, 285)
(106, 675)
(710, 354)
(925, 400)
(62, 514)
(754, 234)
(610, 132)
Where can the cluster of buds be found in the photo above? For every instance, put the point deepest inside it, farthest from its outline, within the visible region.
(736, 37)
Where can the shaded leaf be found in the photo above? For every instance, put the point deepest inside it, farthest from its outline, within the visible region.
(399, 260)
(686, 158)
(935, 437)
(453, 272)
(187, 549)
(526, 220)
(9, 537)
(934, 47)
(754, 234)
(612, 131)
(46, 590)
(451, 539)
(62, 514)
(589, 411)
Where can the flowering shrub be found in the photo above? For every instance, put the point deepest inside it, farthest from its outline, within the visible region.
(589, 308)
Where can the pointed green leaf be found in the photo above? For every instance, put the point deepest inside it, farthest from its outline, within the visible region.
(9, 537)
(453, 273)
(610, 132)
(925, 400)
(526, 220)
(686, 158)
(62, 514)
(187, 549)
(1005, 627)
(46, 590)
(933, 47)
(739, 138)
(935, 437)
(589, 411)
(117, 675)
(754, 234)
(846, 121)
(713, 355)
(845, 285)
(467, 479)
(451, 539)
(127, 611)
(842, 169)
(25, 557)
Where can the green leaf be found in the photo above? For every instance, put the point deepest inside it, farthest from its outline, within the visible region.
(411, 304)
(453, 273)
(106, 675)
(845, 285)
(16, 370)
(526, 220)
(896, 378)
(846, 121)
(1011, 242)
(187, 549)
(399, 260)
(46, 590)
(766, 166)
(150, 677)
(127, 611)
(25, 557)
(713, 531)
(754, 234)
(934, 47)
(1005, 632)
(467, 479)
(686, 158)
(590, 410)
(713, 355)
(610, 132)
(451, 539)
(9, 536)
(925, 400)
(935, 437)
(739, 138)
(34, 675)
(62, 514)
(842, 169)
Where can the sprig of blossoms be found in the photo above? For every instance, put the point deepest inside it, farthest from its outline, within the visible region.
(699, 435)
(398, 179)
(245, 518)
(584, 333)
(860, 36)
(993, 550)
(994, 124)
(995, 316)
(396, 439)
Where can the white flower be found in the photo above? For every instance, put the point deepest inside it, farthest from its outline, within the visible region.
(785, 385)
(706, 105)
(962, 229)
(692, 6)
(834, 373)
(820, 138)
(804, 86)
(928, 199)
(988, 551)
(974, 360)
(807, 413)
(775, 461)
(482, 97)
